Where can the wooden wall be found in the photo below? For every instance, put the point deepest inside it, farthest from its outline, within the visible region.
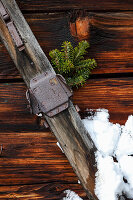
(31, 164)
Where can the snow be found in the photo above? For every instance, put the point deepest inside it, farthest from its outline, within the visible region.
(125, 144)
(126, 165)
(70, 195)
(113, 157)
(58, 144)
(102, 130)
(39, 115)
(108, 178)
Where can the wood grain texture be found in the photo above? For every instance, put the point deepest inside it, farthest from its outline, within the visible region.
(110, 37)
(50, 191)
(29, 158)
(33, 167)
(31, 61)
(67, 125)
(113, 94)
(47, 5)
(33, 156)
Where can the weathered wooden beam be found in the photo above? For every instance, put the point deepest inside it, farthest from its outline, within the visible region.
(91, 5)
(67, 125)
(39, 191)
(110, 39)
(113, 94)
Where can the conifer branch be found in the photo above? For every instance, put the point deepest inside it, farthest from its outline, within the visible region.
(70, 63)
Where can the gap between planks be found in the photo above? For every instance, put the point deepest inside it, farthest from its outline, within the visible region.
(92, 76)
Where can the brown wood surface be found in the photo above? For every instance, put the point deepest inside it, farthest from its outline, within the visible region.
(114, 94)
(110, 36)
(67, 125)
(33, 157)
(31, 164)
(50, 191)
(47, 5)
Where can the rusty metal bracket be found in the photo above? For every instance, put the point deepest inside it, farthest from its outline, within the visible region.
(11, 27)
(48, 94)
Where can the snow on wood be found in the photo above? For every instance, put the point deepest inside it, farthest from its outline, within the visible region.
(114, 156)
(70, 195)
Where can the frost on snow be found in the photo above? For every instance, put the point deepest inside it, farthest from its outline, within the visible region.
(114, 156)
(70, 195)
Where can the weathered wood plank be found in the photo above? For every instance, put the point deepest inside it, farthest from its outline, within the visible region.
(110, 39)
(32, 157)
(48, 5)
(47, 191)
(113, 94)
(32, 61)
(36, 153)
(44, 26)
(67, 125)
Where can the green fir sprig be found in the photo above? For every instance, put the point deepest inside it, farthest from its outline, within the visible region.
(70, 63)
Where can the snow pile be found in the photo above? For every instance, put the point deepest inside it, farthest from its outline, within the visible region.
(108, 178)
(114, 156)
(70, 195)
(104, 134)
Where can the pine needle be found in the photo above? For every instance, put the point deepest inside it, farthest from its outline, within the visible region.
(70, 63)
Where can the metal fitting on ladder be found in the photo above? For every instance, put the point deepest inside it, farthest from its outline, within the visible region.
(48, 94)
(11, 27)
